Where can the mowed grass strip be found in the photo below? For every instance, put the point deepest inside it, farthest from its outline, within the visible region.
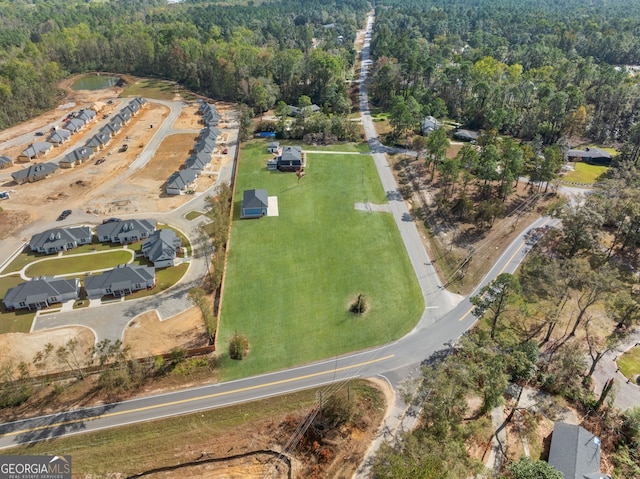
(74, 264)
(290, 279)
(629, 362)
(585, 173)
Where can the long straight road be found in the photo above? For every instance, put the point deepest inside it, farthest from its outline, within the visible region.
(445, 318)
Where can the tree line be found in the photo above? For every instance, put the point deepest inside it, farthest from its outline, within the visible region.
(527, 69)
(256, 54)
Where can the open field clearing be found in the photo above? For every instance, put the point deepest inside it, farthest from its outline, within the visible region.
(291, 279)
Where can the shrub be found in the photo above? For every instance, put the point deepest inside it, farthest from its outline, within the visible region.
(238, 346)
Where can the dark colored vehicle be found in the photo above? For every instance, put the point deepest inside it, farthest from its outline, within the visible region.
(64, 215)
(100, 161)
(124, 148)
(39, 133)
(111, 220)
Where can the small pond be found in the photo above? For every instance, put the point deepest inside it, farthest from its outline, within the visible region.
(94, 82)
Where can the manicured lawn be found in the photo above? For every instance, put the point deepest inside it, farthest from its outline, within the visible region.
(361, 147)
(73, 264)
(192, 215)
(23, 259)
(12, 321)
(290, 279)
(584, 173)
(629, 362)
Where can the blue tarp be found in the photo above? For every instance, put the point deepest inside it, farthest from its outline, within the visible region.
(266, 134)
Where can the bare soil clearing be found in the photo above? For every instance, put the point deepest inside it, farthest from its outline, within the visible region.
(111, 187)
(24, 346)
(148, 336)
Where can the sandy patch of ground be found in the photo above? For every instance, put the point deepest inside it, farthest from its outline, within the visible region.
(147, 336)
(171, 154)
(24, 346)
(188, 119)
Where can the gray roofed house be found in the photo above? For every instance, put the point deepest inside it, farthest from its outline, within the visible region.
(209, 132)
(5, 162)
(133, 107)
(575, 452)
(74, 125)
(112, 128)
(58, 137)
(141, 102)
(198, 161)
(591, 155)
(291, 159)
(60, 239)
(273, 147)
(206, 145)
(430, 124)
(76, 157)
(98, 141)
(35, 172)
(181, 181)
(86, 115)
(254, 204)
(41, 292)
(123, 232)
(124, 116)
(35, 150)
(295, 111)
(466, 135)
(161, 248)
(122, 280)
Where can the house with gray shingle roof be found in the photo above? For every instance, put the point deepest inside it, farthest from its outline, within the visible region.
(76, 157)
(98, 141)
(161, 248)
(5, 162)
(60, 239)
(181, 181)
(254, 204)
(198, 161)
(35, 150)
(86, 115)
(35, 172)
(128, 231)
(58, 137)
(124, 116)
(74, 125)
(575, 452)
(40, 293)
(122, 280)
(112, 128)
(590, 155)
(291, 159)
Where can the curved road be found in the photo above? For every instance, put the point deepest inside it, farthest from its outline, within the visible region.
(445, 318)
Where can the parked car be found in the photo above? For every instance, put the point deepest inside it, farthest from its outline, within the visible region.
(39, 133)
(111, 220)
(225, 151)
(123, 148)
(64, 215)
(100, 161)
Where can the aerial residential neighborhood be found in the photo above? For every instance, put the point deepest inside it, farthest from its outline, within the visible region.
(320, 240)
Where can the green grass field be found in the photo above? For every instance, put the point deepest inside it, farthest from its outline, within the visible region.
(290, 279)
(584, 173)
(629, 362)
(74, 264)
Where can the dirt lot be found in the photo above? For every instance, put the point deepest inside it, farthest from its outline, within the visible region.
(111, 187)
(147, 335)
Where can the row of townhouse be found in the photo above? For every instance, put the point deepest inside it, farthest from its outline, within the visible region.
(80, 155)
(42, 292)
(184, 180)
(159, 247)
